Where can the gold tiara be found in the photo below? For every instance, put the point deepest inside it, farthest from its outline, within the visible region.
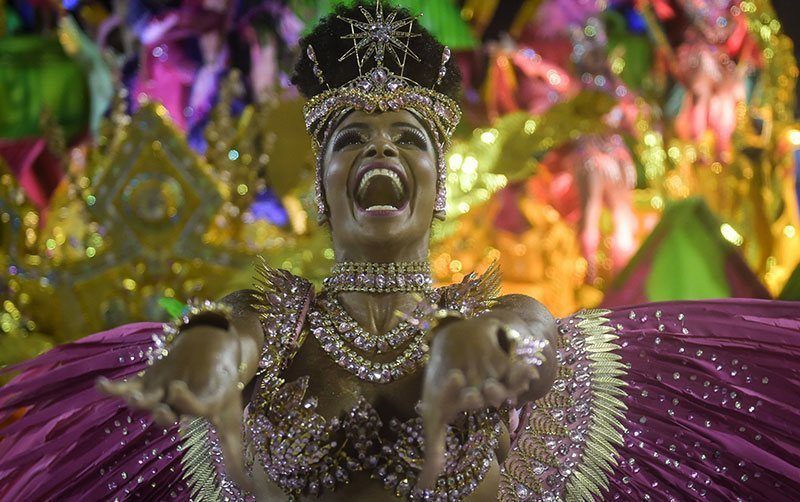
(379, 89)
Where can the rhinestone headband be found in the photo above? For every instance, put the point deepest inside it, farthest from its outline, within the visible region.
(381, 90)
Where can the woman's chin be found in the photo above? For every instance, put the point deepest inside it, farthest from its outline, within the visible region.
(384, 226)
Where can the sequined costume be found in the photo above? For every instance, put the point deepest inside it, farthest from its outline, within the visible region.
(675, 400)
(305, 453)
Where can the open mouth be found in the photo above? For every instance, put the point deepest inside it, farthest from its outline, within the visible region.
(381, 189)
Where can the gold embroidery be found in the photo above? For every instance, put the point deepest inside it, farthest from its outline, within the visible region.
(550, 457)
(599, 455)
(198, 471)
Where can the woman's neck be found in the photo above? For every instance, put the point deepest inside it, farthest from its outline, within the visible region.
(383, 252)
(377, 313)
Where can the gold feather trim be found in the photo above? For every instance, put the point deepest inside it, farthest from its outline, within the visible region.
(554, 399)
(543, 424)
(518, 473)
(534, 448)
(198, 470)
(590, 477)
(488, 285)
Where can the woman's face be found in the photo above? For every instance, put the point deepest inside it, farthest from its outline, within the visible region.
(379, 177)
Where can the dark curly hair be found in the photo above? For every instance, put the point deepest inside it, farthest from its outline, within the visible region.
(329, 46)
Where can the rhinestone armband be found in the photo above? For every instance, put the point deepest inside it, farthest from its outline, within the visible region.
(205, 313)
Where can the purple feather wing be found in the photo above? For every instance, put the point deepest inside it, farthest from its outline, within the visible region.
(60, 439)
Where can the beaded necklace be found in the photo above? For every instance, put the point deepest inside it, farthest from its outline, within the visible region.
(307, 454)
(351, 346)
(369, 277)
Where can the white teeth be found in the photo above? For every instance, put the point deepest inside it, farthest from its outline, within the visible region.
(396, 183)
(382, 207)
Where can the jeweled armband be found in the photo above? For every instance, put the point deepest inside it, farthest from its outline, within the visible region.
(198, 313)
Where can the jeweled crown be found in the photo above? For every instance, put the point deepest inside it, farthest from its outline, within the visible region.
(378, 88)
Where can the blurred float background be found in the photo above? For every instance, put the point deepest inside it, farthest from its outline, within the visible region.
(612, 152)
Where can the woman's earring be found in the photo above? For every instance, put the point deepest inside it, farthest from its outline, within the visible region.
(322, 219)
(440, 215)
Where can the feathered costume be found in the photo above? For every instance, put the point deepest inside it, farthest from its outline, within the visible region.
(669, 401)
(677, 399)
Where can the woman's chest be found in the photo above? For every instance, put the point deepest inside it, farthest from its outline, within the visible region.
(318, 425)
(338, 391)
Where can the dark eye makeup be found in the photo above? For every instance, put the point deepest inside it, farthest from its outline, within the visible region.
(412, 136)
(405, 136)
(348, 138)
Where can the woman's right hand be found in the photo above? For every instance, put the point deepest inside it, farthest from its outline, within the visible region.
(199, 377)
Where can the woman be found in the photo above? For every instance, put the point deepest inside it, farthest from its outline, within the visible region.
(346, 400)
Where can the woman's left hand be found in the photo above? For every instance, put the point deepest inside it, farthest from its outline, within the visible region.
(467, 370)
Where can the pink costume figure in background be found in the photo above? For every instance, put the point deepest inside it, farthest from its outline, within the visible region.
(519, 78)
(598, 166)
(601, 164)
(712, 62)
(168, 73)
(714, 88)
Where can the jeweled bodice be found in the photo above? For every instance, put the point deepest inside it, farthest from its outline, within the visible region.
(562, 445)
(306, 453)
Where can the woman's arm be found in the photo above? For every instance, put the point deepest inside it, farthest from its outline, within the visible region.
(247, 324)
(505, 354)
(203, 374)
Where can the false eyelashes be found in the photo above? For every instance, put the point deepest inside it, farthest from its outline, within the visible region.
(406, 136)
(414, 137)
(348, 138)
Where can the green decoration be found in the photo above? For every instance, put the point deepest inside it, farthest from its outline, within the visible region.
(791, 290)
(634, 52)
(172, 306)
(441, 17)
(98, 75)
(12, 21)
(37, 76)
(685, 257)
(690, 264)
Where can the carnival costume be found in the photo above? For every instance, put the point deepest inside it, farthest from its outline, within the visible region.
(663, 401)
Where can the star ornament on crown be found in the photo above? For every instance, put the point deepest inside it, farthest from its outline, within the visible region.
(377, 88)
(378, 34)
